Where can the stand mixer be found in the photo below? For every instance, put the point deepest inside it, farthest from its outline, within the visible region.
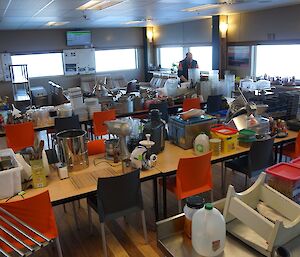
(122, 129)
(141, 157)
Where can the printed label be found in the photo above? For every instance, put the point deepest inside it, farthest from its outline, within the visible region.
(216, 245)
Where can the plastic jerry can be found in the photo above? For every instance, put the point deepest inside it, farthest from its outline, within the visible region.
(208, 231)
(201, 144)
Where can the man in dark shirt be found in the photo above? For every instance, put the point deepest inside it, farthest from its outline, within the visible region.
(184, 65)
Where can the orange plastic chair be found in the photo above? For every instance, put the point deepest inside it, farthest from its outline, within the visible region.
(99, 118)
(36, 212)
(193, 177)
(19, 136)
(292, 150)
(96, 147)
(191, 103)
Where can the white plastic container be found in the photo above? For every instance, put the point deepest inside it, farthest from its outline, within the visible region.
(208, 231)
(201, 144)
(10, 180)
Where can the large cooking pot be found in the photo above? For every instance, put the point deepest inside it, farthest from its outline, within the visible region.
(73, 149)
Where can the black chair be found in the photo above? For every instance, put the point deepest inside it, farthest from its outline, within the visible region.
(214, 103)
(61, 124)
(117, 197)
(260, 157)
(163, 108)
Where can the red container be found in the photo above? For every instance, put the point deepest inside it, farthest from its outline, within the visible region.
(285, 178)
(296, 162)
(224, 130)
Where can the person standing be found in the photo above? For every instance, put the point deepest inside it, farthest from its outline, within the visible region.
(184, 66)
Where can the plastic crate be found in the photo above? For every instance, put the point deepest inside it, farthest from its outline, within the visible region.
(285, 178)
(229, 137)
(10, 180)
(183, 133)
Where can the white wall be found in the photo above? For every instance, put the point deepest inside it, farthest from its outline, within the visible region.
(196, 32)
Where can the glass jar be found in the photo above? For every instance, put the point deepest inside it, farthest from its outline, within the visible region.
(193, 204)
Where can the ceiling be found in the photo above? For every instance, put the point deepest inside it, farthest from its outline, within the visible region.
(34, 14)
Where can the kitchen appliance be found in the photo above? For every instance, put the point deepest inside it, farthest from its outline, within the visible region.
(156, 128)
(141, 157)
(73, 149)
(122, 129)
(39, 96)
(111, 148)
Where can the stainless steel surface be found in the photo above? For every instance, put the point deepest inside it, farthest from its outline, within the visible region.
(73, 149)
(10, 230)
(122, 129)
(173, 242)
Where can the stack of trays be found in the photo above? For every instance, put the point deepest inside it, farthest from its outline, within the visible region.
(92, 105)
(82, 113)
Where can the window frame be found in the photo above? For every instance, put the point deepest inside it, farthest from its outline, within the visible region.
(38, 53)
(136, 59)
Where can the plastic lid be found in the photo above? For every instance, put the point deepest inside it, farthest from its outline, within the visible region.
(208, 206)
(195, 202)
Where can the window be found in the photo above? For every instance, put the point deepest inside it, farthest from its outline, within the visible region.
(170, 55)
(112, 60)
(278, 60)
(203, 55)
(40, 65)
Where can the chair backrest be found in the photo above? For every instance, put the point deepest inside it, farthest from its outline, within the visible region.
(119, 196)
(193, 176)
(261, 155)
(99, 128)
(96, 147)
(36, 212)
(163, 108)
(65, 123)
(191, 103)
(15, 138)
(214, 103)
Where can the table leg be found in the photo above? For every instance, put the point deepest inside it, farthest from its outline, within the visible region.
(164, 179)
(222, 178)
(155, 198)
(276, 154)
(280, 152)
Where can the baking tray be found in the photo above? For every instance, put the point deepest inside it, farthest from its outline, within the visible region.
(172, 241)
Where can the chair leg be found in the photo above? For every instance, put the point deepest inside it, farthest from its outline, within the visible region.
(212, 196)
(75, 215)
(144, 226)
(246, 181)
(103, 239)
(90, 218)
(58, 247)
(179, 206)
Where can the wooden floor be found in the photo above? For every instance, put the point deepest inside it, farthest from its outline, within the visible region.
(124, 238)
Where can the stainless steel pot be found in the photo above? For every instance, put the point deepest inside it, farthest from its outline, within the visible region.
(73, 149)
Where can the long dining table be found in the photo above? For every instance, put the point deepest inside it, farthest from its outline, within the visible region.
(76, 188)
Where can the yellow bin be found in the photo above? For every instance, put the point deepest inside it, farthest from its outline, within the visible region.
(228, 136)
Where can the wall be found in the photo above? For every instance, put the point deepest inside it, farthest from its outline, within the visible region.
(196, 32)
(273, 26)
(30, 41)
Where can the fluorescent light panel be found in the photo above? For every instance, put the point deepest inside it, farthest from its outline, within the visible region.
(98, 4)
(134, 22)
(201, 7)
(56, 23)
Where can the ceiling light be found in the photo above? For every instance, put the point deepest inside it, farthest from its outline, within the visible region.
(43, 8)
(56, 23)
(201, 7)
(135, 22)
(98, 4)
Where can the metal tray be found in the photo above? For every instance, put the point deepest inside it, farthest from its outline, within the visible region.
(172, 241)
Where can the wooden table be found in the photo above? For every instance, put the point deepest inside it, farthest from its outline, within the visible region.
(64, 191)
(169, 158)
